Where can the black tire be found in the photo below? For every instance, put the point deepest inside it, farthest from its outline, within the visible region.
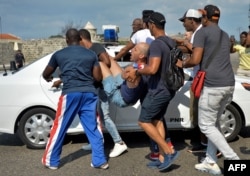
(34, 127)
(230, 123)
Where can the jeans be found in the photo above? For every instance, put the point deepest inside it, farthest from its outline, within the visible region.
(106, 119)
(212, 103)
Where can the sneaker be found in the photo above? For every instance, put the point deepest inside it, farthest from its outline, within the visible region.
(87, 147)
(198, 148)
(52, 167)
(154, 156)
(206, 167)
(103, 166)
(118, 149)
(154, 164)
(168, 160)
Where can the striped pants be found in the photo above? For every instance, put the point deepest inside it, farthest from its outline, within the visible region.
(69, 105)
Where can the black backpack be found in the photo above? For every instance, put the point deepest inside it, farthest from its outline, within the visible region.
(173, 76)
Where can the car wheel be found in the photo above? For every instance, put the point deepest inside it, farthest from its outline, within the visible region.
(34, 127)
(230, 123)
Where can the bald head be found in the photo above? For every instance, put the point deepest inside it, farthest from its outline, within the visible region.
(143, 48)
(139, 52)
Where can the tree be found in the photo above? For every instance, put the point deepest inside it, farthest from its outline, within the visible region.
(68, 25)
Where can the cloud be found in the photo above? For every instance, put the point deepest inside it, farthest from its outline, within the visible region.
(34, 19)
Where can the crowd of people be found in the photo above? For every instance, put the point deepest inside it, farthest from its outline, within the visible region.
(91, 77)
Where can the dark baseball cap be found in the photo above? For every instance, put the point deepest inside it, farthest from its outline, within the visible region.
(157, 18)
(146, 14)
(212, 12)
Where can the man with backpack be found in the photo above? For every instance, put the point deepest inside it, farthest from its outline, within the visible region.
(159, 94)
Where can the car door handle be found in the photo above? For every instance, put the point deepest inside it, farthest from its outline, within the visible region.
(54, 89)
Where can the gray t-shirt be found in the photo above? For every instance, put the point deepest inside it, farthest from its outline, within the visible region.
(219, 72)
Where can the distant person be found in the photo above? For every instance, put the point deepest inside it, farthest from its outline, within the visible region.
(120, 90)
(79, 69)
(244, 54)
(103, 57)
(218, 86)
(136, 25)
(19, 59)
(142, 35)
(248, 37)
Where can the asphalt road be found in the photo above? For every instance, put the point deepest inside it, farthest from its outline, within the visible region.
(16, 159)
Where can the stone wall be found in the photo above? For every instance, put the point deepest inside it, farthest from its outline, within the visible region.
(32, 49)
(35, 49)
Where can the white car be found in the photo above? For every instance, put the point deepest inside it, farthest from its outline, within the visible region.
(28, 105)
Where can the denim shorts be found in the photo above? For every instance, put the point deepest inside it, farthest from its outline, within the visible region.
(154, 107)
(111, 86)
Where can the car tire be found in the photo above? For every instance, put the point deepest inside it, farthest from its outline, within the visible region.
(230, 123)
(34, 127)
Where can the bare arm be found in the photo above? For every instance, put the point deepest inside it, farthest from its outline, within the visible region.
(195, 59)
(150, 69)
(124, 50)
(104, 57)
(97, 73)
(232, 49)
(47, 73)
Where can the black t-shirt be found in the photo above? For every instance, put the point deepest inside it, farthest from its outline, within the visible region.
(98, 49)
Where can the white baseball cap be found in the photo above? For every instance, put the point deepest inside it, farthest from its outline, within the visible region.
(191, 13)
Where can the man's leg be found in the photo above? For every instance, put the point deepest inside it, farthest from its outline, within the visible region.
(153, 107)
(64, 117)
(211, 105)
(120, 146)
(105, 70)
(115, 68)
(88, 120)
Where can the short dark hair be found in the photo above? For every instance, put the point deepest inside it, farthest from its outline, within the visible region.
(84, 33)
(72, 35)
(244, 33)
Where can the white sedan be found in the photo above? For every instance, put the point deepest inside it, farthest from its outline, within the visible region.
(28, 105)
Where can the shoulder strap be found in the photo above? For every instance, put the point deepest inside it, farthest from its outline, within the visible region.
(166, 42)
(214, 52)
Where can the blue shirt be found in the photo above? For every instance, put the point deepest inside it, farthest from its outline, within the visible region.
(132, 95)
(76, 64)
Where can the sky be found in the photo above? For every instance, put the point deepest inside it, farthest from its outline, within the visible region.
(36, 19)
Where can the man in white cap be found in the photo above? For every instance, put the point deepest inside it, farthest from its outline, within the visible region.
(192, 22)
(218, 86)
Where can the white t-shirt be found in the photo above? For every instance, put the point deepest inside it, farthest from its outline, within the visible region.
(197, 67)
(143, 35)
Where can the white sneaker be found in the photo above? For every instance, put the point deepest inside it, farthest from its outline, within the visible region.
(104, 166)
(206, 167)
(87, 147)
(118, 149)
(52, 167)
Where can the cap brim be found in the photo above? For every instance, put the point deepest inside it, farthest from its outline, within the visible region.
(182, 19)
